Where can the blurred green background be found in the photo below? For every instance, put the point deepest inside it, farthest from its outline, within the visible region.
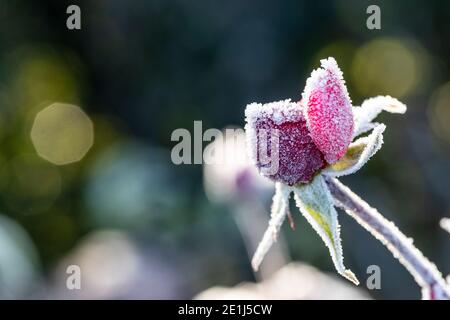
(142, 227)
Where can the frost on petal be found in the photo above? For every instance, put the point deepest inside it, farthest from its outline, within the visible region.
(315, 203)
(279, 142)
(358, 153)
(280, 209)
(370, 109)
(329, 110)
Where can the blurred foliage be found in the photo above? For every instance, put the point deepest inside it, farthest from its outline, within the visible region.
(140, 69)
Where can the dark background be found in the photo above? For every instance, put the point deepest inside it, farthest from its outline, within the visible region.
(141, 69)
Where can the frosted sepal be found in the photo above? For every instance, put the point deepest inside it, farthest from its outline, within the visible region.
(315, 203)
(280, 209)
(370, 109)
(358, 153)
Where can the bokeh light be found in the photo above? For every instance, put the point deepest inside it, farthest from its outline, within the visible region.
(62, 133)
(387, 66)
(43, 73)
(228, 173)
(130, 185)
(18, 260)
(108, 261)
(294, 281)
(29, 184)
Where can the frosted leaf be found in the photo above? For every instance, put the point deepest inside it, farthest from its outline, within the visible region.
(445, 224)
(328, 110)
(316, 205)
(370, 109)
(280, 209)
(358, 153)
(279, 142)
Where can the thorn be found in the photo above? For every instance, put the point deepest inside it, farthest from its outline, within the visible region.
(291, 221)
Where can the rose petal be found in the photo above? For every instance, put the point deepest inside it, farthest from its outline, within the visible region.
(279, 142)
(329, 110)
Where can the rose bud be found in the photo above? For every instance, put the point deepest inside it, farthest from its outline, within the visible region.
(280, 144)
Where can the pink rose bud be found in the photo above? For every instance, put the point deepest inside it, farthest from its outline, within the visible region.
(280, 144)
(328, 110)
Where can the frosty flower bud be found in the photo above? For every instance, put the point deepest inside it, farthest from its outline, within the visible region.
(328, 110)
(314, 134)
(280, 144)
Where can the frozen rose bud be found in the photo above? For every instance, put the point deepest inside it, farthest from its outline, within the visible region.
(328, 110)
(279, 142)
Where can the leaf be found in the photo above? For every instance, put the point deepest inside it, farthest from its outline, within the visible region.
(316, 205)
(358, 153)
(280, 209)
(370, 109)
(445, 224)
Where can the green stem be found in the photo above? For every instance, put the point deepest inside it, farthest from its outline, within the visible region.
(424, 272)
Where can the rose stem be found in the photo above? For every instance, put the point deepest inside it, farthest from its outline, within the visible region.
(424, 272)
